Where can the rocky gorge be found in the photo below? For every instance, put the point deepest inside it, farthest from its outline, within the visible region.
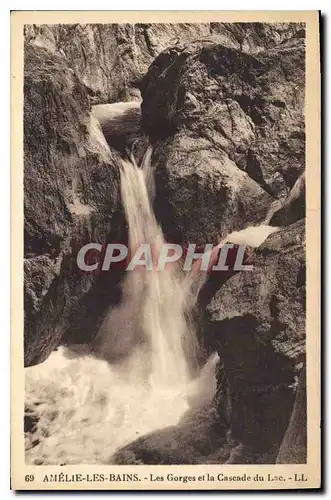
(222, 106)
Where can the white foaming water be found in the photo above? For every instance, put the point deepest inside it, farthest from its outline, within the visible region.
(90, 407)
(252, 236)
(152, 318)
(137, 379)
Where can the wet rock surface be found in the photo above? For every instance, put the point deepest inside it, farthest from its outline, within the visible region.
(198, 438)
(201, 195)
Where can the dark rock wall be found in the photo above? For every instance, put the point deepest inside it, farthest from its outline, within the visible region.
(294, 206)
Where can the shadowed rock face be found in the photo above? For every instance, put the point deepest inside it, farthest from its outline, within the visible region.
(257, 319)
(71, 181)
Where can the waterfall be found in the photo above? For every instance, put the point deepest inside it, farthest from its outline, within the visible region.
(153, 318)
(137, 377)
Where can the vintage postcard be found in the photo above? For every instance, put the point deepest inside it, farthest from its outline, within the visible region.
(165, 250)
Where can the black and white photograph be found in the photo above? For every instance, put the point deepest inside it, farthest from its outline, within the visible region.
(165, 253)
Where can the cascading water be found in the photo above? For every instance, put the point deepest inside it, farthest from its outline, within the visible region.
(83, 406)
(153, 316)
(90, 407)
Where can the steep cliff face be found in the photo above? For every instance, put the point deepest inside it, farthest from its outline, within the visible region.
(71, 181)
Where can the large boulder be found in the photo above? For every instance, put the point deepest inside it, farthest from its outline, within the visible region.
(228, 132)
(201, 195)
(257, 320)
(71, 181)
